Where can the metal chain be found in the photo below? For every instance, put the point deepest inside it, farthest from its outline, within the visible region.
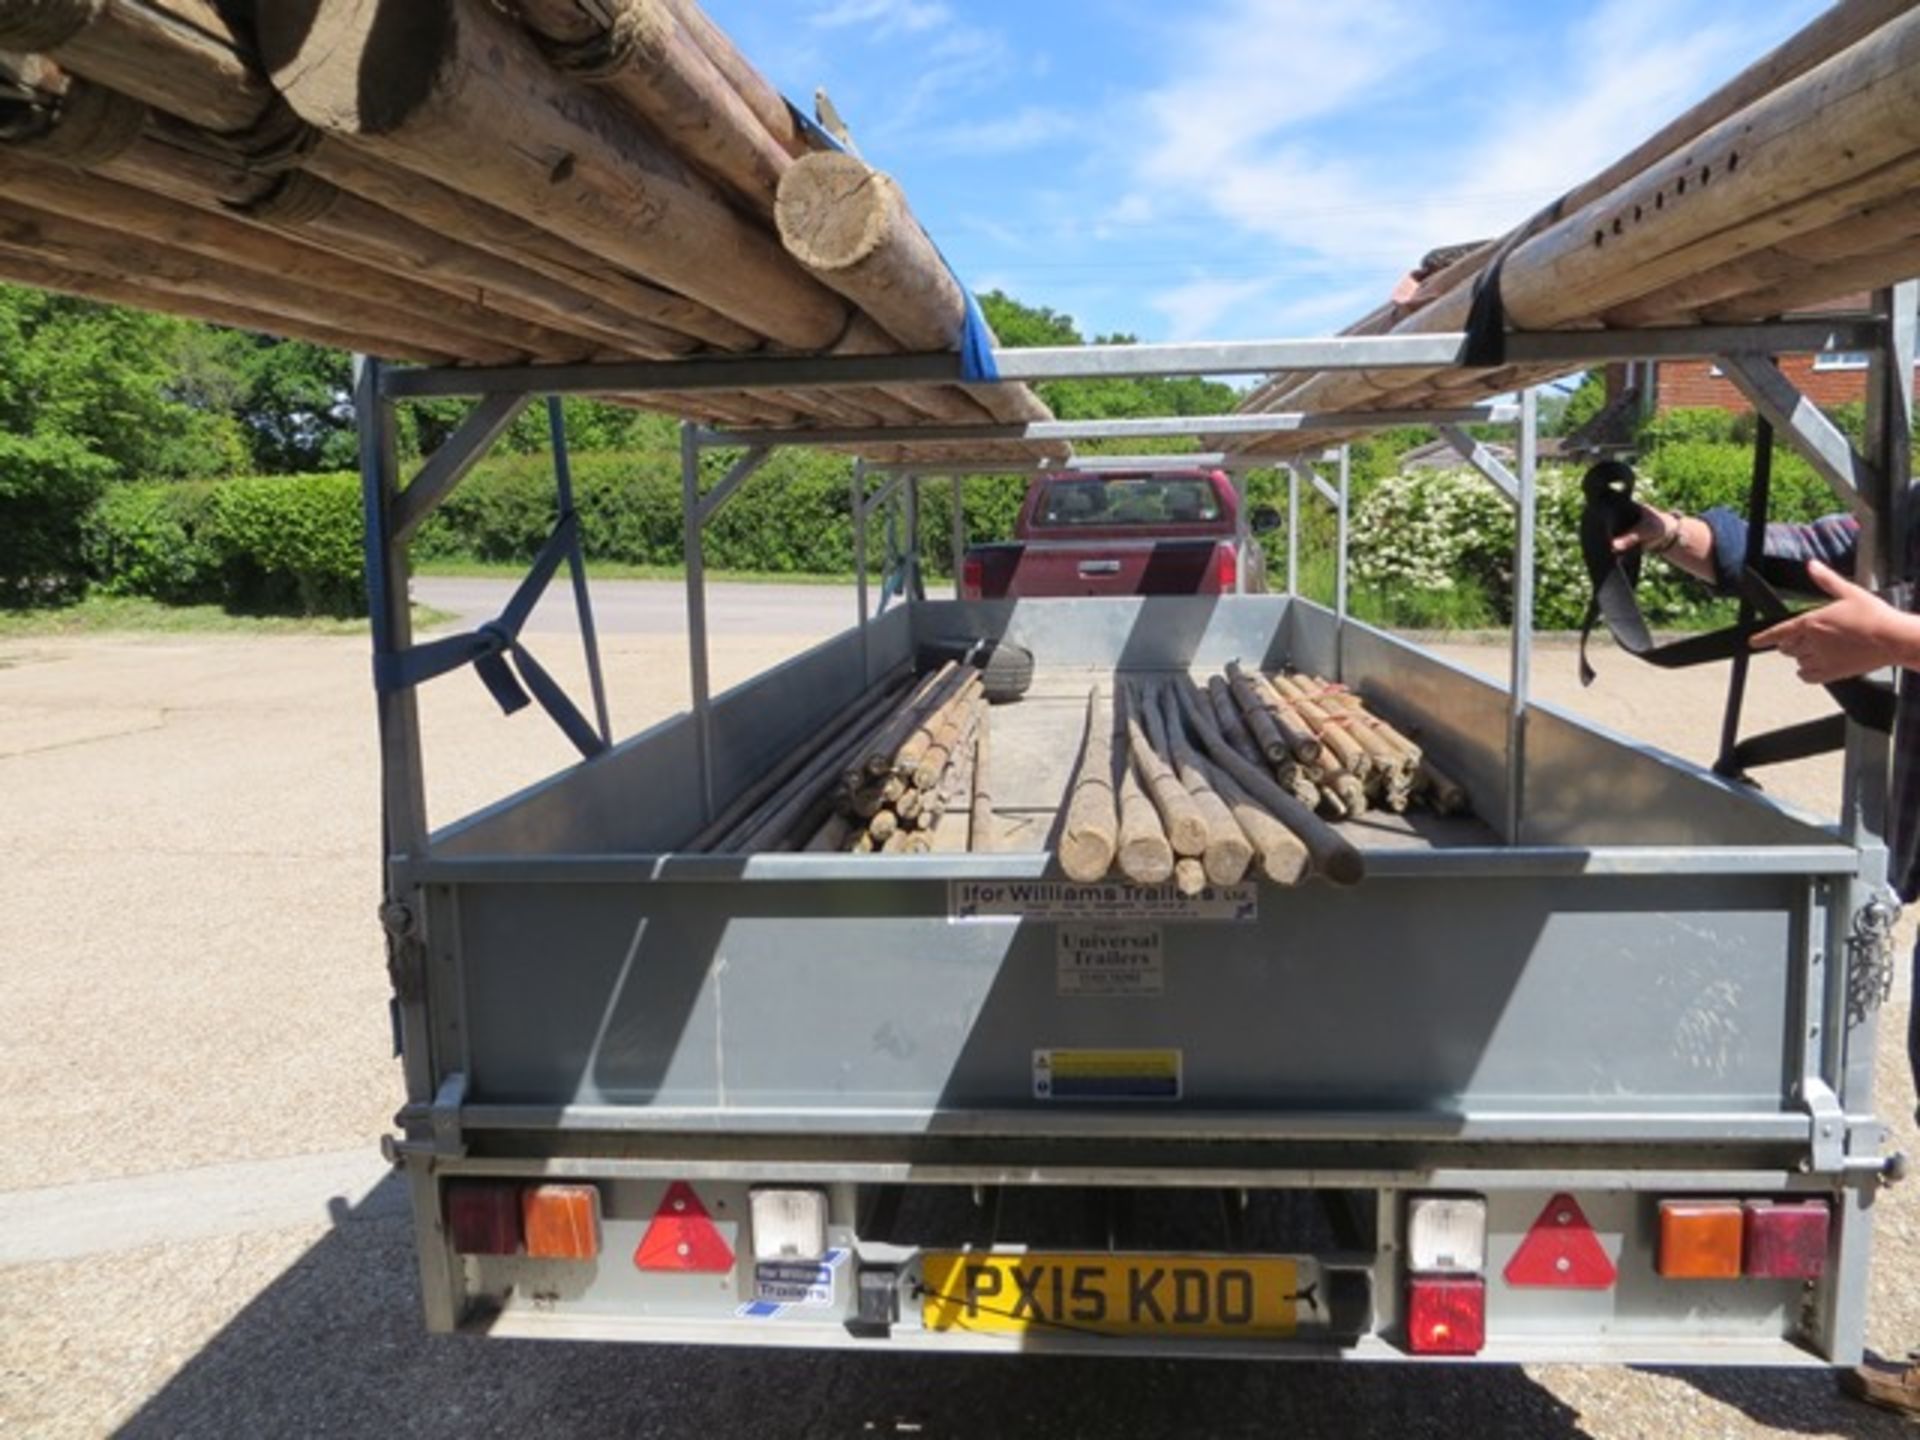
(1870, 958)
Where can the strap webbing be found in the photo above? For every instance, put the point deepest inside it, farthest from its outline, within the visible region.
(489, 649)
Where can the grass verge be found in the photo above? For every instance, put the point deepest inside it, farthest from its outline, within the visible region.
(111, 614)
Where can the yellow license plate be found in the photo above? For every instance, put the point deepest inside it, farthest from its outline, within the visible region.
(1173, 1295)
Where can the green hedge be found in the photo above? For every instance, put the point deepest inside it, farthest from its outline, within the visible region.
(47, 484)
(1430, 549)
(265, 544)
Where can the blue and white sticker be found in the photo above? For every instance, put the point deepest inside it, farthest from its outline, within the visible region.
(783, 1285)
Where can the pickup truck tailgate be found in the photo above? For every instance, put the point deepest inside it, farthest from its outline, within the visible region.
(1116, 568)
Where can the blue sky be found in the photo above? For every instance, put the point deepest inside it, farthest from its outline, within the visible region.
(1240, 169)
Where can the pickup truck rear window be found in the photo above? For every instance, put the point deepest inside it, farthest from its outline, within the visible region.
(1146, 501)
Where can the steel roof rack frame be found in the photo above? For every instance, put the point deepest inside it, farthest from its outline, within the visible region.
(1873, 483)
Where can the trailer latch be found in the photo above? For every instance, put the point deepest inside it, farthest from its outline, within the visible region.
(448, 1141)
(1829, 1126)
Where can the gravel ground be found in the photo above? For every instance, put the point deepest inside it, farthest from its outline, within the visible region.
(193, 978)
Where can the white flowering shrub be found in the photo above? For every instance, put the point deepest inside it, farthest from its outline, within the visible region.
(1436, 546)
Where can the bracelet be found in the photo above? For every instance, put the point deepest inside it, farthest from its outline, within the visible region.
(1672, 537)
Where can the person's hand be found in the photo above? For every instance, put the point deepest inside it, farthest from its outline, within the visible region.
(1855, 635)
(1653, 529)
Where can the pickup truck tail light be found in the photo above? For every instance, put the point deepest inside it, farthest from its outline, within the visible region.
(1226, 567)
(973, 577)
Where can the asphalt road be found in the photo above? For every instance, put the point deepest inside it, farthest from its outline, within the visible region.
(644, 607)
(196, 1237)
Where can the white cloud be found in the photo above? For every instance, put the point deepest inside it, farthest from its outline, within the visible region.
(884, 17)
(1195, 308)
(1299, 123)
(1024, 129)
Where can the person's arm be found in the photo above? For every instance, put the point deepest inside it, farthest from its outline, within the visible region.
(1855, 635)
(1681, 540)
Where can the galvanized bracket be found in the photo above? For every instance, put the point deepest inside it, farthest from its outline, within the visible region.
(1799, 422)
(1829, 1126)
(448, 1140)
(1482, 458)
(450, 464)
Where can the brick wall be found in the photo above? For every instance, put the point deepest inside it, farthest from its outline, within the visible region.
(1691, 384)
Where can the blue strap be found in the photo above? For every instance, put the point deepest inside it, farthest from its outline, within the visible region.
(977, 364)
(489, 649)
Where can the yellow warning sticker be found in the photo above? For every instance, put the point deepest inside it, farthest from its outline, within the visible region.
(1106, 1074)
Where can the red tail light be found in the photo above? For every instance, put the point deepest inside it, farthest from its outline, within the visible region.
(483, 1217)
(1447, 1315)
(1227, 568)
(1787, 1240)
(973, 577)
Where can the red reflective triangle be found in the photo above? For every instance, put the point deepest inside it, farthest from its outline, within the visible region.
(1561, 1249)
(683, 1236)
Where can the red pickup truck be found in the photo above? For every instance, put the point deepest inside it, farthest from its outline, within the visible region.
(1121, 533)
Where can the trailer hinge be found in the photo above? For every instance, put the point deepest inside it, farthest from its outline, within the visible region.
(1829, 1128)
(448, 1141)
(406, 951)
(1870, 958)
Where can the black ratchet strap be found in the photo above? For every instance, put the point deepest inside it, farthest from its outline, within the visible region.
(1611, 511)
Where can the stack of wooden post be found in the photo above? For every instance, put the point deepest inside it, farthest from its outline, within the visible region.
(1160, 796)
(1325, 746)
(913, 787)
(903, 769)
(471, 182)
(1794, 185)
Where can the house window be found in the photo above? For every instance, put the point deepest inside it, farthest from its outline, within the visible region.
(1841, 360)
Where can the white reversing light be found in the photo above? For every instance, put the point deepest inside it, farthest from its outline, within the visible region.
(1447, 1235)
(789, 1224)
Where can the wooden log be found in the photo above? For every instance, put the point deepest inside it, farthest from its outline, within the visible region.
(128, 258)
(1283, 857)
(808, 792)
(1185, 826)
(849, 224)
(500, 232)
(1229, 852)
(1261, 724)
(162, 159)
(1346, 709)
(883, 825)
(768, 105)
(180, 54)
(983, 826)
(1301, 743)
(877, 762)
(1333, 856)
(1091, 833)
(436, 86)
(182, 58)
(644, 56)
(1189, 876)
(1144, 855)
(908, 806)
(835, 833)
(1233, 726)
(21, 268)
(1338, 739)
(941, 719)
(833, 729)
(928, 764)
(1446, 795)
(77, 214)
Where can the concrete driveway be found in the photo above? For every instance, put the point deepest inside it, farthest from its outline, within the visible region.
(196, 1237)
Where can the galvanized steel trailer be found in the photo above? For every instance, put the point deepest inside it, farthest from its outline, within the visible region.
(835, 1100)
